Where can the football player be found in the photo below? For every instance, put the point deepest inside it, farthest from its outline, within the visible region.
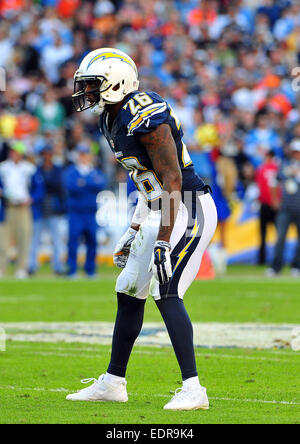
(174, 221)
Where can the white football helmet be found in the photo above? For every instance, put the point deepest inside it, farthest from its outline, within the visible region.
(114, 74)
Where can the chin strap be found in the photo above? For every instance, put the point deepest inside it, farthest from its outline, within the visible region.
(99, 108)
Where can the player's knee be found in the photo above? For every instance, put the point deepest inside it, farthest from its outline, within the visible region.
(127, 283)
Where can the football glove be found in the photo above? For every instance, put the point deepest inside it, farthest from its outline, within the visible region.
(160, 264)
(121, 252)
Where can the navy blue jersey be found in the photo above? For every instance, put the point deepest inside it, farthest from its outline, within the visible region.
(142, 113)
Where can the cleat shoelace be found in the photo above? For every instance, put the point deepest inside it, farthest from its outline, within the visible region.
(178, 394)
(88, 380)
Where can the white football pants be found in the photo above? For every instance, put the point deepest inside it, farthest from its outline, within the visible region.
(194, 228)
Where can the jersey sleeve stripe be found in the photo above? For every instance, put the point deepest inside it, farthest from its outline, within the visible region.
(145, 114)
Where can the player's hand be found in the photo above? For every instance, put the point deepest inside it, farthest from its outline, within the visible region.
(121, 251)
(160, 264)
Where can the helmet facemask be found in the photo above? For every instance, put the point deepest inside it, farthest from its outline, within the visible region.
(93, 96)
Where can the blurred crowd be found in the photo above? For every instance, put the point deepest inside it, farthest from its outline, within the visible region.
(227, 68)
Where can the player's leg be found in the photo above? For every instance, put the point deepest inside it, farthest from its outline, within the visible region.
(132, 288)
(128, 324)
(111, 386)
(172, 309)
(186, 257)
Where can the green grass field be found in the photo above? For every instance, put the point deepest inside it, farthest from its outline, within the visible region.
(244, 385)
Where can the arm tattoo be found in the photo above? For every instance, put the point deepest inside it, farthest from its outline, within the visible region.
(162, 151)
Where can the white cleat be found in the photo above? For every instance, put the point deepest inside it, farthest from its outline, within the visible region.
(100, 391)
(184, 399)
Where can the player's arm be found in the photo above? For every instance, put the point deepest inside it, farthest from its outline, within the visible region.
(162, 152)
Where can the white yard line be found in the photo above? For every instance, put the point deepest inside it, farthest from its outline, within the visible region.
(260, 401)
(34, 389)
(209, 334)
(64, 390)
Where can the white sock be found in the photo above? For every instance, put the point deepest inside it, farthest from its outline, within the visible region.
(191, 383)
(113, 380)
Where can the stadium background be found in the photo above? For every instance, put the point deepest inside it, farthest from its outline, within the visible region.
(220, 64)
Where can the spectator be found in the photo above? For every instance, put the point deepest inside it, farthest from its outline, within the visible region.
(48, 211)
(50, 112)
(16, 175)
(83, 182)
(289, 212)
(284, 25)
(27, 54)
(271, 10)
(6, 45)
(262, 139)
(54, 56)
(268, 198)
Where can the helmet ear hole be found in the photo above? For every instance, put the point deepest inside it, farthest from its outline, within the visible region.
(116, 87)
